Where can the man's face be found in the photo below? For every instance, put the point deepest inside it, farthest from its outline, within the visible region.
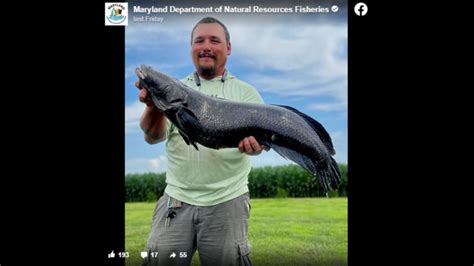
(209, 50)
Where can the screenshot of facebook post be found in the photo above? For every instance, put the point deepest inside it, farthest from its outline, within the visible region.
(236, 132)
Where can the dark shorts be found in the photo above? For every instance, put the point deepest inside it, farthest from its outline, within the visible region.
(219, 233)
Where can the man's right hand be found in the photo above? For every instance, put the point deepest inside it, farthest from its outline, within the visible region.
(144, 96)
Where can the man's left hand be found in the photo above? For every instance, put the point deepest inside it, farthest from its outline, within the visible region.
(250, 146)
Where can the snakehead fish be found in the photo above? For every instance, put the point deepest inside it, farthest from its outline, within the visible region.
(219, 123)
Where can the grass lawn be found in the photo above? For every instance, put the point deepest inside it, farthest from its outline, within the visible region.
(287, 231)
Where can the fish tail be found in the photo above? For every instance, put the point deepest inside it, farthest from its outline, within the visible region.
(323, 180)
(335, 173)
(330, 176)
(326, 170)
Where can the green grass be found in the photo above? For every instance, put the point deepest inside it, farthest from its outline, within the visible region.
(286, 231)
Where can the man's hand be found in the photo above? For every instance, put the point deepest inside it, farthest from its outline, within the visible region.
(250, 146)
(144, 96)
(152, 121)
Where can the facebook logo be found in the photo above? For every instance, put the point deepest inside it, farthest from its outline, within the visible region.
(360, 9)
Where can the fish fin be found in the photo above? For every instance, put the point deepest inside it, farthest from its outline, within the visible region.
(335, 173)
(188, 125)
(328, 175)
(320, 130)
(186, 139)
(292, 155)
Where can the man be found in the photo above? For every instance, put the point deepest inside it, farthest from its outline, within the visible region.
(206, 202)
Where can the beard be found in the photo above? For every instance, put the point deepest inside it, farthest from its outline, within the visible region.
(207, 71)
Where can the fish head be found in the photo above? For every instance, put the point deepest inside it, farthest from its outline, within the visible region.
(158, 84)
(165, 90)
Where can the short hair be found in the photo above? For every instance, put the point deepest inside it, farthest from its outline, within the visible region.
(209, 20)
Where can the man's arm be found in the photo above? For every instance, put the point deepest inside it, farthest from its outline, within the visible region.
(153, 121)
(153, 124)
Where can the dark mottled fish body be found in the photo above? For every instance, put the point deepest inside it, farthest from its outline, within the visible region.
(219, 123)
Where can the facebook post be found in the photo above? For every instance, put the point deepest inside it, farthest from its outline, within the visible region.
(236, 132)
